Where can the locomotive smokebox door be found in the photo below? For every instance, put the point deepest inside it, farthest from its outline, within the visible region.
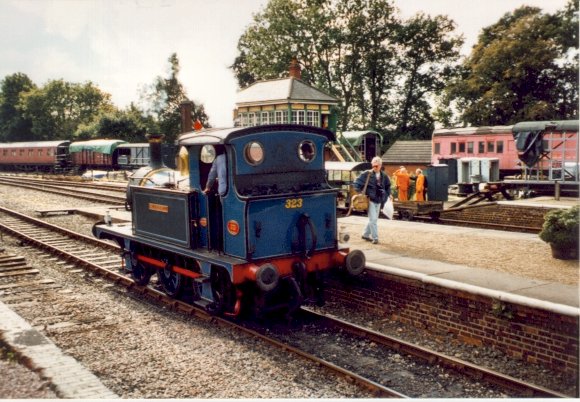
(163, 215)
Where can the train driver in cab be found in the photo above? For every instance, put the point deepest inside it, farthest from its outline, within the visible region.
(218, 172)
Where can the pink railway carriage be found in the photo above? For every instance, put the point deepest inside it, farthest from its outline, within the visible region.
(35, 155)
(477, 142)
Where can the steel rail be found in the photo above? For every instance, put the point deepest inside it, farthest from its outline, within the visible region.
(376, 389)
(121, 188)
(479, 373)
(54, 189)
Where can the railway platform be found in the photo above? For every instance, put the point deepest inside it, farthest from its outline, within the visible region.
(69, 378)
(500, 285)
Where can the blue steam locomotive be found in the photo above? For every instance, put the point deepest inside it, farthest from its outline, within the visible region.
(261, 244)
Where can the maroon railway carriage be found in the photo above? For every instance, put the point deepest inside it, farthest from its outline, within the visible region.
(95, 154)
(47, 156)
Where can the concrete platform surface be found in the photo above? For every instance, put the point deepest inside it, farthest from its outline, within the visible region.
(69, 378)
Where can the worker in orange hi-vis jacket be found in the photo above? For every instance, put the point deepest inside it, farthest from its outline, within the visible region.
(419, 186)
(403, 184)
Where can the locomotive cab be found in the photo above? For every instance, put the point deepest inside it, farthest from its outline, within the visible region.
(262, 237)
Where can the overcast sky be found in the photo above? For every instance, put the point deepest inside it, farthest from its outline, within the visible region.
(122, 45)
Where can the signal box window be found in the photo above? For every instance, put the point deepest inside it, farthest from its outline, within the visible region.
(281, 116)
(437, 148)
(462, 147)
(298, 117)
(453, 147)
(499, 147)
(470, 147)
(312, 118)
(481, 147)
(490, 146)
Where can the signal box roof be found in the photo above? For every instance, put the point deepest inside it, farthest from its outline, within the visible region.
(225, 135)
(283, 90)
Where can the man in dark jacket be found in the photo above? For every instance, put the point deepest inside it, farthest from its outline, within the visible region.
(378, 190)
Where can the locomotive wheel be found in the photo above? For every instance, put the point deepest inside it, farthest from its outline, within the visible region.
(171, 282)
(221, 289)
(141, 273)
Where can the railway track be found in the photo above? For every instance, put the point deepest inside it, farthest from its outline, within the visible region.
(102, 259)
(62, 189)
(95, 193)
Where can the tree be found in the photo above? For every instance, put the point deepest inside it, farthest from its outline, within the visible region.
(427, 62)
(357, 50)
(524, 67)
(129, 125)
(165, 97)
(59, 108)
(14, 126)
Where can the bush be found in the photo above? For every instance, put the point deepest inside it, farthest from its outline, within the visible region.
(561, 227)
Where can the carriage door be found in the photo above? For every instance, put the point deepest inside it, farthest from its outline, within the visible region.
(370, 147)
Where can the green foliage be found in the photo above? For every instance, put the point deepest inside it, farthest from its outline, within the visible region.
(561, 227)
(524, 67)
(129, 125)
(14, 126)
(165, 97)
(381, 68)
(59, 107)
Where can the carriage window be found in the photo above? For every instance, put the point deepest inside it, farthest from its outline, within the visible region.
(481, 147)
(207, 154)
(254, 153)
(470, 147)
(462, 147)
(490, 146)
(307, 151)
(437, 148)
(453, 147)
(499, 147)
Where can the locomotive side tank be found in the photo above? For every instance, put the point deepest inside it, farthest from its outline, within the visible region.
(262, 244)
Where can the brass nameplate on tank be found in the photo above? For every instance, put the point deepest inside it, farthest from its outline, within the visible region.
(158, 207)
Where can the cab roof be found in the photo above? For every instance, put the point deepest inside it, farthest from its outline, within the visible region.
(225, 135)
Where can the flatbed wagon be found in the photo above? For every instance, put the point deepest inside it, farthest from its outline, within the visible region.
(407, 210)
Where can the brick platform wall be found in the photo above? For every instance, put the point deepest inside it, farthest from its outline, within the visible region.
(503, 215)
(535, 336)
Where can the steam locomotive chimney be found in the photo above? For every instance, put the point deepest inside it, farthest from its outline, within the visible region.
(294, 70)
(155, 159)
(186, 122)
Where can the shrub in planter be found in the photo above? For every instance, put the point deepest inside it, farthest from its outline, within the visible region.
(560, 230)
